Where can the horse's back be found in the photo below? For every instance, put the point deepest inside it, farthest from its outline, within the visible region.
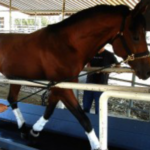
(19, 55)
(39, 55)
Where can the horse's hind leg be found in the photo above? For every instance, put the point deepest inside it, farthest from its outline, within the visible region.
(72, 104)
(12, 98)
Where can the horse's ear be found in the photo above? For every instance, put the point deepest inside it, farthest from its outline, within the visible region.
(141, 7)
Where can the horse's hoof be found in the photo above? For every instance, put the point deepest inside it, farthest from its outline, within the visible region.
(33, 138)
(24, 136)
(24, 132)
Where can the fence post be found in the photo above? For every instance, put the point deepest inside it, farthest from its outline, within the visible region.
(131, 101)
(103, 109)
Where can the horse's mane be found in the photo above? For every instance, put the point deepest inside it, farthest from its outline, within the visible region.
(89, 12)
(139, 20)
(96, 10)
(92, 11)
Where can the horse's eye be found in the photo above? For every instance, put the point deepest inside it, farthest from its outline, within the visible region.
(136, 38)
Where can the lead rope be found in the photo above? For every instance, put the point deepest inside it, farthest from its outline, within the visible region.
(49, 85)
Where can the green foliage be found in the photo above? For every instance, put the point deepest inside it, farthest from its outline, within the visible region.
(18, 21)
(31, 22)
(25, 21)
(44, 21)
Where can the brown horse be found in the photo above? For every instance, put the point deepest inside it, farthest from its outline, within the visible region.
(50, 53)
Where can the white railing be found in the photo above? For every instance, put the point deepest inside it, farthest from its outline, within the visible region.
(79, 86)
(136, 93)
(103, 117)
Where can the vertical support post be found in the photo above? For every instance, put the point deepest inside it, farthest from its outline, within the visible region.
(131, 102)
(103, 123)
(63, 9)
(10, 15)
(21, 25)
(103, 110)
(35, 21)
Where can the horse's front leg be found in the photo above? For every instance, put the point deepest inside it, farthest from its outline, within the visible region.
(72, 104)
(68, 98)
(12, 97)
(39, 125)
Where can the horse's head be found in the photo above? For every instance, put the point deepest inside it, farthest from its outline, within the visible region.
(130, 42)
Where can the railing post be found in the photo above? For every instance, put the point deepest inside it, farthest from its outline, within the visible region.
(10, 14)
(103, 122)
(131, 101)
(63, 9)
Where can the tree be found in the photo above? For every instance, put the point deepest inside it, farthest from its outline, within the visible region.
(44, 21)
(18, 21)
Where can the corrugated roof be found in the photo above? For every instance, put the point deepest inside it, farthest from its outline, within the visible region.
(47, 7)
(55, 6)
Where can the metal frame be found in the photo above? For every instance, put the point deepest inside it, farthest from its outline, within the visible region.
(55, 6)
(79, 86)
(135, 93)
(103, 117)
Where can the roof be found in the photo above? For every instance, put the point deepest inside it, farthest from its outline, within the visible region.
(48, 7)
(55, 6)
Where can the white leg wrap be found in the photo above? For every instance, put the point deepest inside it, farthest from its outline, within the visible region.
(19, 117)
(94, 142)
(39, 125)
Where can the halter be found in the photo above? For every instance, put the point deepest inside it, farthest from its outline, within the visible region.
(131, 56)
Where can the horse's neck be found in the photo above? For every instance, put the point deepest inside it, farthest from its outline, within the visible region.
(89, 36)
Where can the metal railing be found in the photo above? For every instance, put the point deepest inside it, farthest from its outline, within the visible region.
(103, 108)
(130, 107)
(135, 93)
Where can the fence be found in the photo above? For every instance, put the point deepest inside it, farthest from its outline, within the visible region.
(128, 106)
(103, 123)
(115, 91)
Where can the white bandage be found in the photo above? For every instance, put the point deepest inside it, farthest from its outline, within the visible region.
(94, 142)
(39, 125)
(19, 117)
